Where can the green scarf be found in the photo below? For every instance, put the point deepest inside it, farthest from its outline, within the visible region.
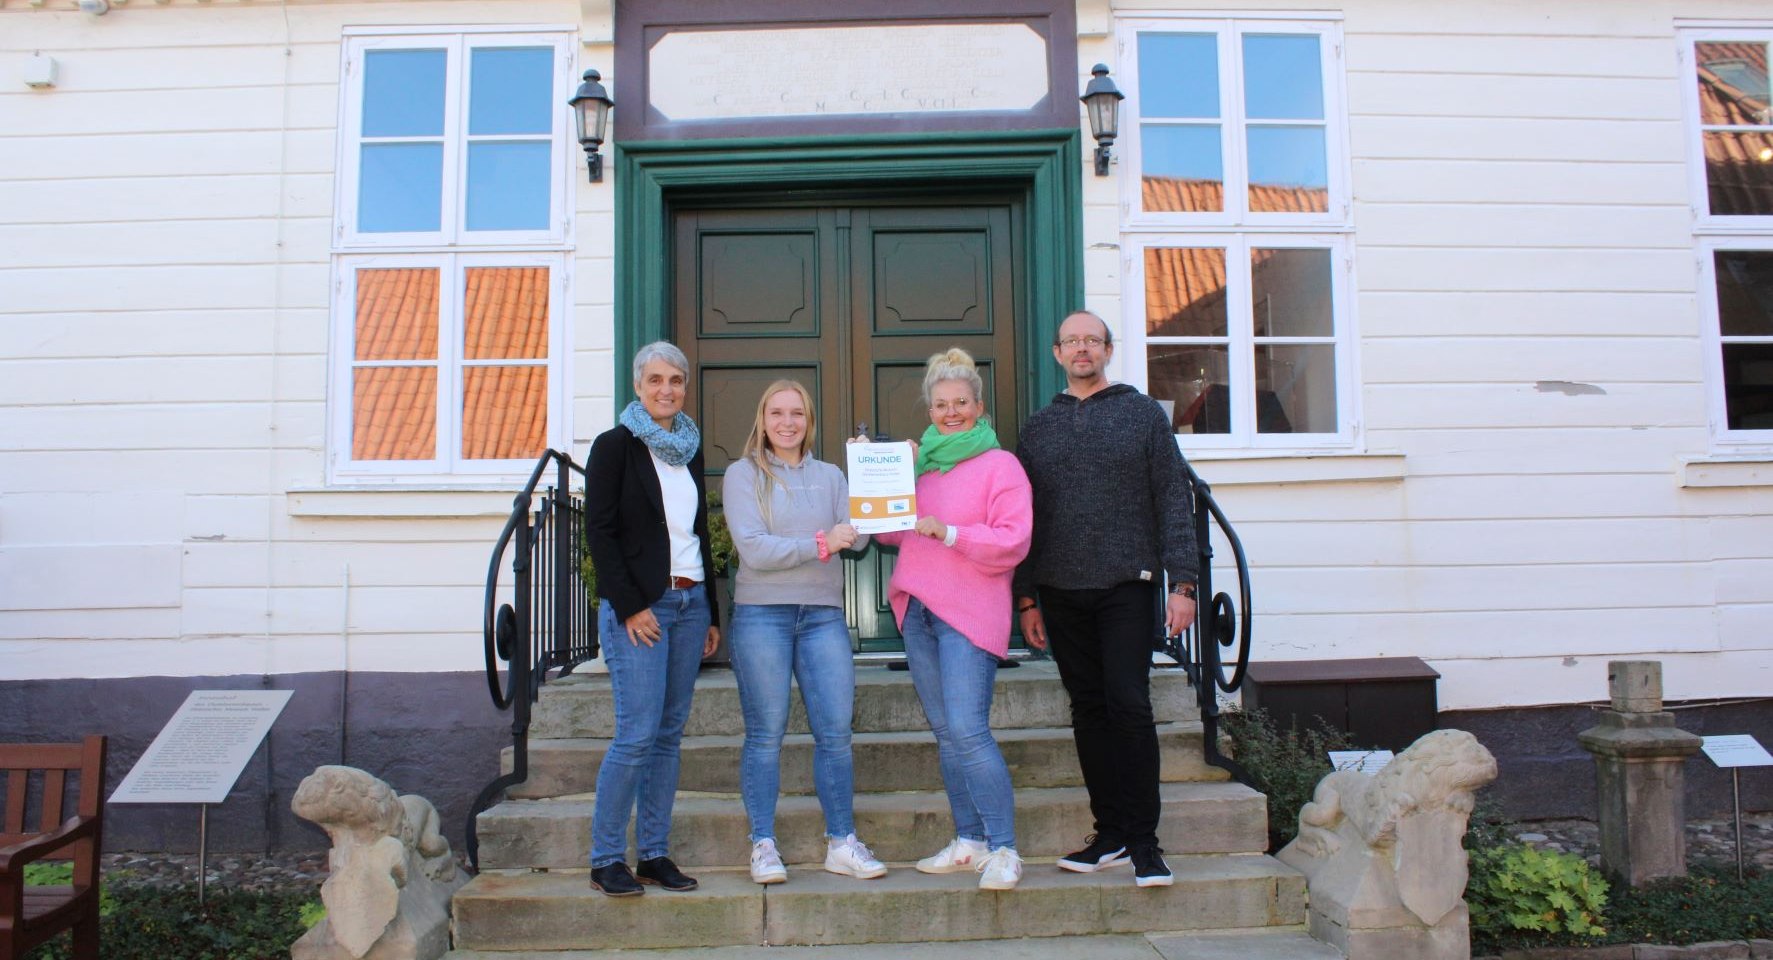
(943, 451)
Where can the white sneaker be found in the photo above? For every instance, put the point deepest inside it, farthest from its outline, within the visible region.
(1000, 870)
(766, 863)
(960, 854)
(850, 857)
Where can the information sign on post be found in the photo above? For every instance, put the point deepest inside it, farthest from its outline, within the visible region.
(1368, 762)
(1732, 753)
(200, 753)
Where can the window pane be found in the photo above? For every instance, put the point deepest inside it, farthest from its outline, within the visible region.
(1748, 386)
(394, 413)
(403, 93)
(1178, 75)
(1739, 172)
(1733, 87)
(508, 185)
(396, 314)
(510, 90)
(1182, 169)
(1283, 78)
(1291, 295)
(1745, 292)
(401, 188)
(505, 313)
(504, 412)
(1185, 292)
(1296, 388)
(1190, 382)
(1288, 170)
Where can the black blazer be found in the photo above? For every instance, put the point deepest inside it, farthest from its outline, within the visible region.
(625, 524)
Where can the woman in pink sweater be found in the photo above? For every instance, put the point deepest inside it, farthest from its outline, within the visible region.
(951, 595)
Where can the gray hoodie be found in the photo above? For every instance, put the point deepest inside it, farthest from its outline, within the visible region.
(779, 559)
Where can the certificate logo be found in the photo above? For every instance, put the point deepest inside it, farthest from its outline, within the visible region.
(867, 507)
(898, 506)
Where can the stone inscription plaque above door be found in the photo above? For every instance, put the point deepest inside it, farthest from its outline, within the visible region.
(689, 69)
(906, 68)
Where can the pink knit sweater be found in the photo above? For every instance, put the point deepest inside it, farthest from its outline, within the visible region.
(988, 501)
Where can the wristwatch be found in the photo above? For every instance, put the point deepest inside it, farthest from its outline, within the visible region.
(1183, 589)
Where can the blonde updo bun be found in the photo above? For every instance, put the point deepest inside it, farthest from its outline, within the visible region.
(952, 364)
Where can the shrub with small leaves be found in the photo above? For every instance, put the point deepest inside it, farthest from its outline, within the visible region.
(1515, 887)
(1707, 904)
(148, 923)
(1284, 764)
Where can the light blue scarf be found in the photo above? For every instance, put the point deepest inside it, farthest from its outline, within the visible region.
(674, 446)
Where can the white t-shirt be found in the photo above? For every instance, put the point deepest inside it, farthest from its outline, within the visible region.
(679, 490)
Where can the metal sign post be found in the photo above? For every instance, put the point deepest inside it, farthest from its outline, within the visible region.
(1733, 753)
(199, 754)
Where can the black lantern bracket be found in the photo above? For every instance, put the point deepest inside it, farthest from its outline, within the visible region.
(591, 115)
(1101, 100)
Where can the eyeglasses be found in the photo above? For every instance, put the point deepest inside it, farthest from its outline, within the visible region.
(1072, 343)
(958, 406)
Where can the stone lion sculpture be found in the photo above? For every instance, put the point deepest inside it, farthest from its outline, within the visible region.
(392, 872)
(1384, 855)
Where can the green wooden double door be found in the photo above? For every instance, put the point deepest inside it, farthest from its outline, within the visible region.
(851, 301)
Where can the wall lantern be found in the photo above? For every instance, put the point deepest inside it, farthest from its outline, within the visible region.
(1101, 99)
(591, 112)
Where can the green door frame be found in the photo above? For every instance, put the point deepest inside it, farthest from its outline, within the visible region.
(1046, 165)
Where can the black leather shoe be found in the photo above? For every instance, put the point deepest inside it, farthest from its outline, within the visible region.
(615, 881)
(661, 871)
(1102, 853)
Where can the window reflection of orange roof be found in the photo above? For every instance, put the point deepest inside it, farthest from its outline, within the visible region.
(504, 407)
(1738, 163)
(1186, 195)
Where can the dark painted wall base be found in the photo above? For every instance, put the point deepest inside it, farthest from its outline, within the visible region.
(437, 735)
(433, 734)
(1546, 773)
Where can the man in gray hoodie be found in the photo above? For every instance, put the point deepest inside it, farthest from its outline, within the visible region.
(1112, 518)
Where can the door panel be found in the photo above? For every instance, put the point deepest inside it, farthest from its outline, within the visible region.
(850, 301)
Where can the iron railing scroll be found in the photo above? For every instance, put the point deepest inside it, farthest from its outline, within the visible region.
(548, 623)
(1220, 625)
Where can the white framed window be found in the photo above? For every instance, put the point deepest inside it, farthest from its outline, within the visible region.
(449, 366)
(1243, 337)
(1729, 102)
(448, 360)
(1235, 225)
(452, 140)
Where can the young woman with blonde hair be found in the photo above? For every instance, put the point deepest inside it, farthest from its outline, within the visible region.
(788, 512)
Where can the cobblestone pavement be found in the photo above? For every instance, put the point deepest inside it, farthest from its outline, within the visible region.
(1706, 840)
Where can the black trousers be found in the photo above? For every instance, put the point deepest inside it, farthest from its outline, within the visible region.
(1101, 640)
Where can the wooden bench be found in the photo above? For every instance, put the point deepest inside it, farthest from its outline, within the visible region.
(32, 915)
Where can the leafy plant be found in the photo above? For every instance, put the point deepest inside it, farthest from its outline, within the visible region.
(1515, 887)
(1707, 904)
(52, 874)
(149, 923)
(1285, 764)
(312, 912)
(1489, 825)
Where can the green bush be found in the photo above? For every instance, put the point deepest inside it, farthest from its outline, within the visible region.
(1284, 764)
(1707, 904)
(148, 923)
(1515, 888)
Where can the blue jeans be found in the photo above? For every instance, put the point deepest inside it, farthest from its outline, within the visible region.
(955, 681)
(652, 687)
(771, 642)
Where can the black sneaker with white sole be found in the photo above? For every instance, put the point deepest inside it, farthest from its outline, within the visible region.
(1099, 855)
(1149, 868)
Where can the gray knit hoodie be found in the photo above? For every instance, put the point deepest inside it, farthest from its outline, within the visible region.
(1111, 497)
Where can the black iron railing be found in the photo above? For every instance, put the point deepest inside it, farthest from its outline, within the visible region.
(549, 622)
(1220, 624)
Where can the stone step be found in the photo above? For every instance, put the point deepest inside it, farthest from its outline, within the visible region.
(559, 911)
(711, 830)
(1037, 757)
(1267, 943)
(1028, 696)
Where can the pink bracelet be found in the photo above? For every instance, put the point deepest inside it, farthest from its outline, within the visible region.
(824, 548)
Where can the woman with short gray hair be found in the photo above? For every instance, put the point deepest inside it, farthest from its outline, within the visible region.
(646, 523)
